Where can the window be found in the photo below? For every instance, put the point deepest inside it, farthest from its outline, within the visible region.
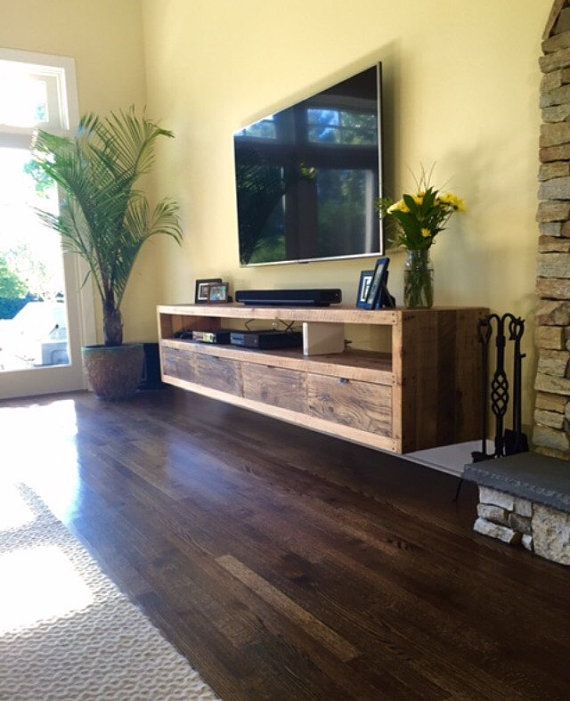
(341, 127)
(33, 309)
(34, 95)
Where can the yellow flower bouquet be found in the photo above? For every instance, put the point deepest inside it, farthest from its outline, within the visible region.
(418, 219)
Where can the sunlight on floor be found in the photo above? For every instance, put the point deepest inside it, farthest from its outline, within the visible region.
(39, 449)
(38, 583)
(14, 512)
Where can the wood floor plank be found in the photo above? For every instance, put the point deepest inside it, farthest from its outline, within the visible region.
(331, 640)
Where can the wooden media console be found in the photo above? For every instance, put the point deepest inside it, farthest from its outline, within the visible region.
(415, 383)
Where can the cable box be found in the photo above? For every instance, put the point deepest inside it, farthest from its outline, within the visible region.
(266, 340)
(220, 336)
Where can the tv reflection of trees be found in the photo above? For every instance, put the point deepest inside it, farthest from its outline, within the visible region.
(341, 212)
(295, 205)
(261, 185)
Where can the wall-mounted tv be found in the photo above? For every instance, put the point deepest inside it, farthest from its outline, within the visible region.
(308, 177)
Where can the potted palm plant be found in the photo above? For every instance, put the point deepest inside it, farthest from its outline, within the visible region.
(105, 219)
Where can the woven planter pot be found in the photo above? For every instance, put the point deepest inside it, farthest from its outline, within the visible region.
(114, 372)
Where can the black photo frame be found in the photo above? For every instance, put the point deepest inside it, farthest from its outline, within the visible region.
(378, 284)
(366, 277)
(201, 293)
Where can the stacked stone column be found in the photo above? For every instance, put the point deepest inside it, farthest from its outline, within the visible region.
(552, 410)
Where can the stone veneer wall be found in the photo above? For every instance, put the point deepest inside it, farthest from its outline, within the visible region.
(551, 434)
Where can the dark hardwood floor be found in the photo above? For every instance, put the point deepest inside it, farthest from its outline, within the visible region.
(289, 565)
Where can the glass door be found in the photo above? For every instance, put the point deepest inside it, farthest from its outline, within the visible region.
(41, 327)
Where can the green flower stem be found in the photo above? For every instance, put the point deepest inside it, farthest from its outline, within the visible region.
(418, 280)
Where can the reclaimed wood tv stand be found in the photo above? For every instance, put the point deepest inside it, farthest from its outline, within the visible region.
(420, 388)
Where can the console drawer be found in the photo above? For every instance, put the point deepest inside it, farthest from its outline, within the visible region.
(177, 363)
(276, 386)
(222, 374)
(363, 405)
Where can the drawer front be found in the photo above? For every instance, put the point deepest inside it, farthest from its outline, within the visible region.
(178, 363)
(362, 405)
(218, 373)
(280, 387)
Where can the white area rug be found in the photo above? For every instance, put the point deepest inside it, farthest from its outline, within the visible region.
(66, 631)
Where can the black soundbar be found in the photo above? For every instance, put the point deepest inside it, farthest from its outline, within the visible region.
(289, 298)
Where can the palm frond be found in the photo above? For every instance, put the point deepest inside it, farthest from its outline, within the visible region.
(141, 225)
(103, 217)
(132, 141)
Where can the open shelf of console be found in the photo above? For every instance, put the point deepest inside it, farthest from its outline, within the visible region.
(420, 388)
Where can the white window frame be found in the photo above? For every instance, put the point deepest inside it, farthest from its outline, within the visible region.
(61, 73)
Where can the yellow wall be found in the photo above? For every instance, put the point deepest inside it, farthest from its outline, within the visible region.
(105, 39)
(461, 89)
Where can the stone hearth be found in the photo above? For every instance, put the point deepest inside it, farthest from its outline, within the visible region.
(540, 529)
(524, 500)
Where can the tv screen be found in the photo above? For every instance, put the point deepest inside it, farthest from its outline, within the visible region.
(308, 177)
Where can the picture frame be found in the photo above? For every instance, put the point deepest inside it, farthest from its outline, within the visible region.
(377, 285)
(201, 293)
(218, 292)
(366, 277)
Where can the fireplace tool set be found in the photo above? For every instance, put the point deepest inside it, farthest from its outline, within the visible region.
(497, 393)
(508, 441)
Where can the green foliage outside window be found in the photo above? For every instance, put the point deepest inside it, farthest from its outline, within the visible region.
(11, 286)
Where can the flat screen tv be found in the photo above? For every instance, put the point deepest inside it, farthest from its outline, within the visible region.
(308, 177)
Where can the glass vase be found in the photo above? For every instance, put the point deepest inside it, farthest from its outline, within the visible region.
(418, 280)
